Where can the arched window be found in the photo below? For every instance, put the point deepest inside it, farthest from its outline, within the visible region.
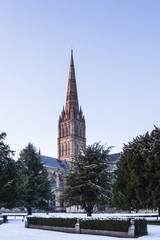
(53, 200)
(78, 130)
(69, 129)
(77, 148)
(61, 130)
(65, 126)
(68, 148)
(62, 149)
(66, 130)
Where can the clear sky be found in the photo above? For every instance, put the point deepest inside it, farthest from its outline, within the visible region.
(116, 47)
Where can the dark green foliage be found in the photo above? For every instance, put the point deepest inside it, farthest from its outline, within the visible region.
(88, 182)
(35, 188)
(8, 175)
(137, 182)
(107, 224)
(5, 218)
(57, 222)
(153, 222)
(140, 227)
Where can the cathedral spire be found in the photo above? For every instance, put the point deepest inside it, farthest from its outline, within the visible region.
(71, 124)
(72, 96)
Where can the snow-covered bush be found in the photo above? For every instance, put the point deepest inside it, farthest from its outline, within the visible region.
(56, 222)
(120, 225)
(140, 227)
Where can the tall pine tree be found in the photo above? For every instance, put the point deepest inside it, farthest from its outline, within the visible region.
(88, 182)
(34, 187)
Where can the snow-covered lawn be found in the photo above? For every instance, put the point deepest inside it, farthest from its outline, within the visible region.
(15, 230)
(94, 215)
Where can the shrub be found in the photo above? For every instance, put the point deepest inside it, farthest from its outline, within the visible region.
(57, 222)
(5, 218)
(106, 224)
(140, 227)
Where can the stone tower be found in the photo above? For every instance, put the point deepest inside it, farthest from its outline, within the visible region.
(71, 124)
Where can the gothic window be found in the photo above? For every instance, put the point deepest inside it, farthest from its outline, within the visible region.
(62, 149)
(62, 131)
(65, 130)
(76, 129)
(52, 202)
(77, 148)
(82, 133)
(69, 129)
(68, 148)
(61, 179)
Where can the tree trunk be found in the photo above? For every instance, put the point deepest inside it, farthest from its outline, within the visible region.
(89, 211)
(29, 211)
(159, 212)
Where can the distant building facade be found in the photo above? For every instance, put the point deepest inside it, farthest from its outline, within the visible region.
(56, 169)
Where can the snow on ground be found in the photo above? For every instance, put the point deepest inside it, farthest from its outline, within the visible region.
(94, 215)
(15, 230)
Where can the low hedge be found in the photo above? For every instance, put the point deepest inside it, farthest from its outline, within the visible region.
(140, 227)
(119, 225)
(153, 222)
(5, 218)
(106, 224)
(57, 222)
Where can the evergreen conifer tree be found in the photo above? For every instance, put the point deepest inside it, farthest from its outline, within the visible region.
(34, 187)
(8, 175)
(88, 182)
(137, 181)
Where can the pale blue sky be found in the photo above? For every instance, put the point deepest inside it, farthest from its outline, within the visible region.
(116, 46)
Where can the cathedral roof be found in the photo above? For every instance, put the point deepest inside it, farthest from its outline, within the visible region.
(113, 158)
(54, 162)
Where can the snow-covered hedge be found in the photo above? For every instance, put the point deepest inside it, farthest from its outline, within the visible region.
(121, 225)
(106, 224)
(57, 222)
(140, 227)
(114, 225)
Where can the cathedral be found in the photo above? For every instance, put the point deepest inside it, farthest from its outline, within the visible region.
(71, 140)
